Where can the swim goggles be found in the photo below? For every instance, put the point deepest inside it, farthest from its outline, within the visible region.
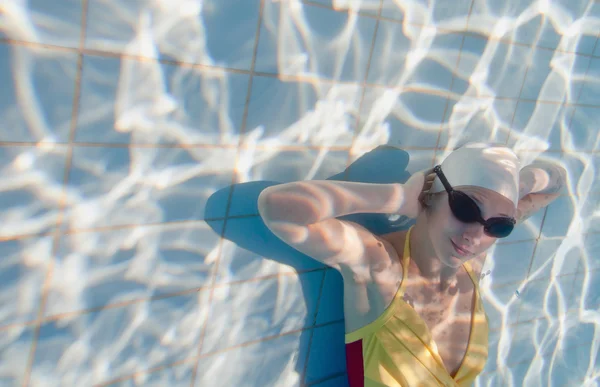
(466, 210)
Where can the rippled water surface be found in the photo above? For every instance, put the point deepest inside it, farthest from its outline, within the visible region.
(135, 136)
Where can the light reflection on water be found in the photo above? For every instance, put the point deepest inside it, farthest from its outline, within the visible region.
(149, 110)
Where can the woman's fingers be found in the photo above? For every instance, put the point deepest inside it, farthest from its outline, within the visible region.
(429, 178)
(428, 172)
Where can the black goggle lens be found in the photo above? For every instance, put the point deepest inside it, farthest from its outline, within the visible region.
(499, 227)
(467, 211)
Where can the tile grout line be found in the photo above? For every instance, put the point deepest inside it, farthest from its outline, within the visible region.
(283, 147)
(182, 64)
(73, 133)
(514, 115)
(292, 78)
(326, 378)
(63, 203)
(508, 137)
(215, 273)
(563, 104)
(518, 99)
(192, 222)
(537, 242)
(449, 31)
(536, 356)
(449, 91)
(302, 79)
(587, 70)
(116, 305)
(360, 13)
(537, 280)
(162, 296)
(252, 342)
(123, 304)
(161, 367)
(303, 376)
(158, 368)
(577, 271)
(358, 120)
(71, 142)
(546, 209)
(311, 330)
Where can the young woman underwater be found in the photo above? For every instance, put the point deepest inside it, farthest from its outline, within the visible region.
(413, 312)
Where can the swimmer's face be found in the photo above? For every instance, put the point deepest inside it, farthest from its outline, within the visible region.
(456, 242)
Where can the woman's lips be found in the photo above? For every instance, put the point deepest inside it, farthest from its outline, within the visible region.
(463, 252)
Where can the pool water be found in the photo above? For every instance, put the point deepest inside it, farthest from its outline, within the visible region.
(136, 135)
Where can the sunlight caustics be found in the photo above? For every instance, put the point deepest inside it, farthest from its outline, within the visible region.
(121, 120)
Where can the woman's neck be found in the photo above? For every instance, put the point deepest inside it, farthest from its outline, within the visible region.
(430, 266)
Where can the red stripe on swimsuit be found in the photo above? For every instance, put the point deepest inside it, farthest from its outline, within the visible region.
(355, 364)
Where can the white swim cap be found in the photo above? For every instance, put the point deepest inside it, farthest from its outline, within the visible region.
(490, 166)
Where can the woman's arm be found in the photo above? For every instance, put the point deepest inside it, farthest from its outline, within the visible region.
(540, 184)
(304, 215)
(308, 202)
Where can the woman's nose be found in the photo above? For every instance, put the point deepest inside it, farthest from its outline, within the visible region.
(473, 233)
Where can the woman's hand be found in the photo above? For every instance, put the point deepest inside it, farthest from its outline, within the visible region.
(542, 177)
(415, 189)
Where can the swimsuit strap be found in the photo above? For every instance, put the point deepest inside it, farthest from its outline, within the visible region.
(405, 260)
(469, 270)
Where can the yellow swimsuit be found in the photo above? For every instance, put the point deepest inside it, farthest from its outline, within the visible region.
(397, 349)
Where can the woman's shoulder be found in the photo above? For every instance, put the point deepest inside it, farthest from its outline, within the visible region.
(378, 257)
(396, 238)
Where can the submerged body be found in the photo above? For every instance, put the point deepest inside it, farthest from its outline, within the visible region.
(413, 313)
(422, 337)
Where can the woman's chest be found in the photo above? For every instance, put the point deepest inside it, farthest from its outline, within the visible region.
(448, 317)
